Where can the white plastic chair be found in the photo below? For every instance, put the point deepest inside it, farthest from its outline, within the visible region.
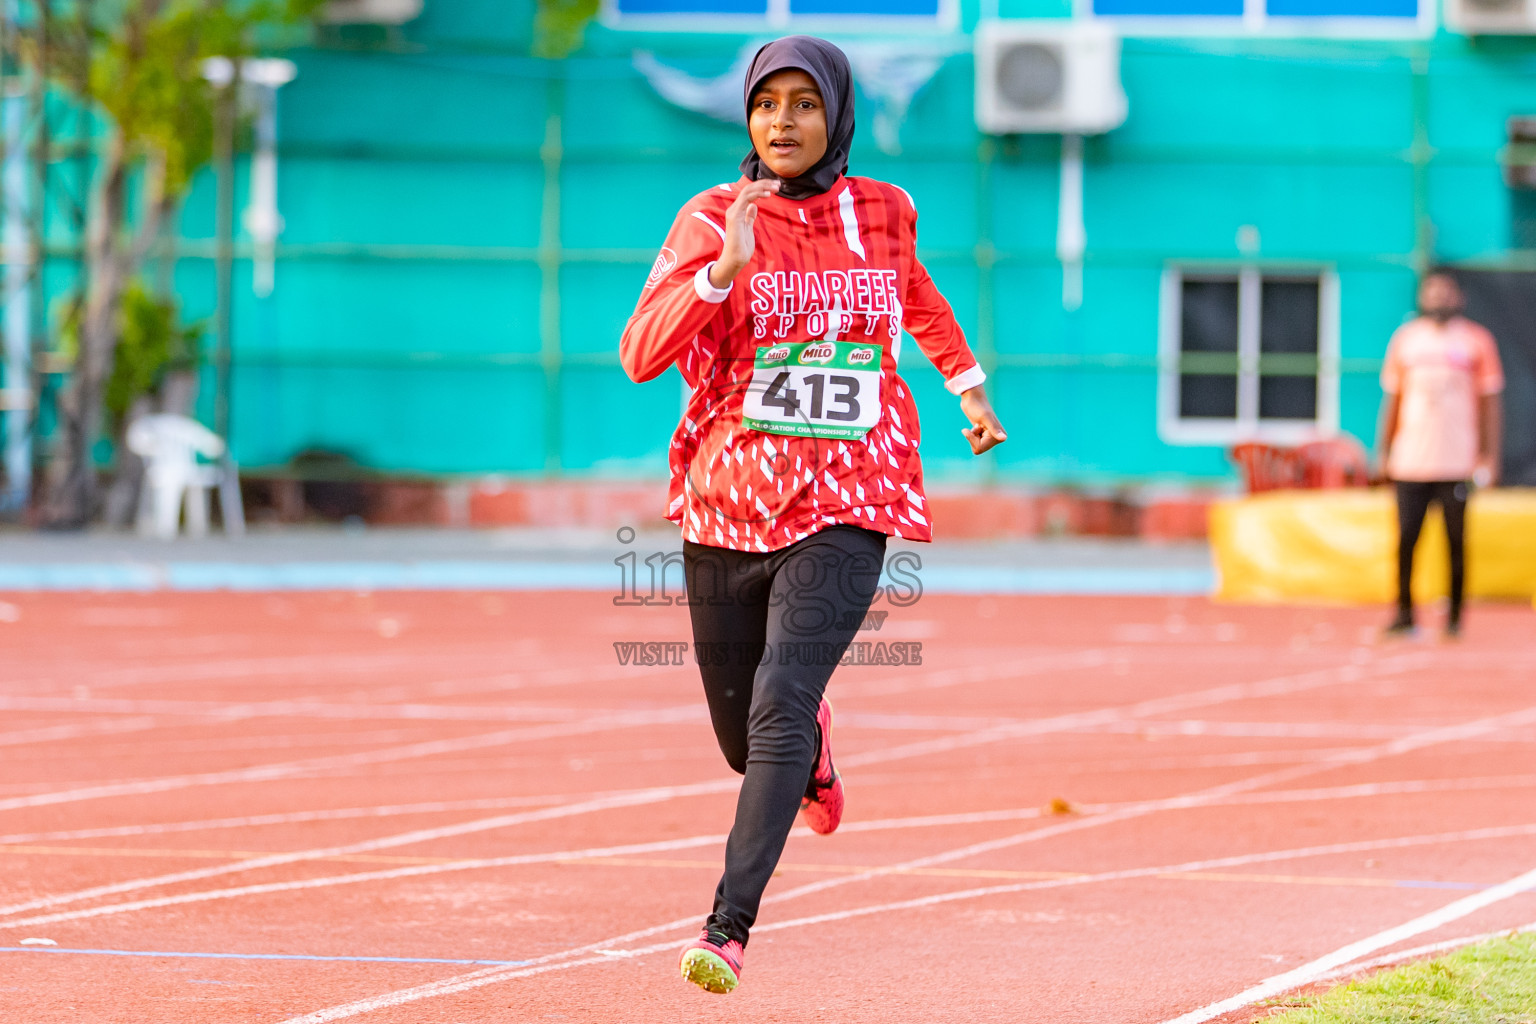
(173, 476)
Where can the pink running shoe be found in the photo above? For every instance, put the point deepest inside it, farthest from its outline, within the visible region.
(713, 962)
(823, 801)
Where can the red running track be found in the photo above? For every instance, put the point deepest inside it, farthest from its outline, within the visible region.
(347, 797)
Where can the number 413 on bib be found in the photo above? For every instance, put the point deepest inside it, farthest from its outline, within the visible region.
(828, 389)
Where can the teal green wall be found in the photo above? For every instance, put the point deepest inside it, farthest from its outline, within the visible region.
(467, 230)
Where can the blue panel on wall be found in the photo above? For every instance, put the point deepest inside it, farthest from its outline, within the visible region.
(756, 7)
(885, 8)
(1343, 8)
(1202, 8)
(1360, 105)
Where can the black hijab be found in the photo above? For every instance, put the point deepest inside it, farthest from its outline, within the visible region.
(828, 67)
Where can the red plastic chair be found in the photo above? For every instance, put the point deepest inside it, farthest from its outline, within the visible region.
(1319, 465)
(1266, 467)
(1337, 462)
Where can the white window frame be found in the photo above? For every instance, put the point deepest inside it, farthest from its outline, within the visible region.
(779, 18)
(1255, 21)
(1246, 426)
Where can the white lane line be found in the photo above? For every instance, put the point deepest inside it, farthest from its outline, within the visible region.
(1354, 792)
(241, 668)
(1281, 730)
(689, 842)
(363, 701)
(292, 817)
(1447, 734)
(1369, 789)
(461, 712)
(291, 769)
(633, 799)
(292, 709)
(1200, 798)
(1190, 761)
(1357, 791)
(1308, 972)
(411, 871)
(552, 961)
(458, 983)
(1201, 698)
(1007, 668)
(1287, 730)
(379, 704)
(1284, 684)
(1214, 695)
(1404, 955)
(55, 733)
(1278, 686)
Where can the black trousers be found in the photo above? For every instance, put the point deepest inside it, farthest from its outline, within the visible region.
(768, 630)
(1413, 501)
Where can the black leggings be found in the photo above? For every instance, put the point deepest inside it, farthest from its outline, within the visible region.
(1413, 500)
(768, 629)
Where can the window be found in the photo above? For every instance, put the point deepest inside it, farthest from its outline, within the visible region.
(716, 15)
(1365, 18)
(1248, 355)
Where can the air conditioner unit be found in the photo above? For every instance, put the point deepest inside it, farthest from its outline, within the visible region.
(371, 12)
(1039, 75)
(1491, 17)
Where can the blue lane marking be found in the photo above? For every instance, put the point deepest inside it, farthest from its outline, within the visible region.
(492, 575)
(262, 956)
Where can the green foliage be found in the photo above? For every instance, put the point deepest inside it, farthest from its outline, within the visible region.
(1493, 982)
(151, 343)
(560, 25)
(140, 62)
(139, 66)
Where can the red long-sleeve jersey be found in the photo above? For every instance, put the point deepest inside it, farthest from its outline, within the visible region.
(798, 418)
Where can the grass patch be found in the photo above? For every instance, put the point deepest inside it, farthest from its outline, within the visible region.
(1493, 982)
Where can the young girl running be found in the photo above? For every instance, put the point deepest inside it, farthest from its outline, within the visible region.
(782, 297)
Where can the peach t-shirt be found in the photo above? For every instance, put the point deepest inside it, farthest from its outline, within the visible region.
(1440, 372)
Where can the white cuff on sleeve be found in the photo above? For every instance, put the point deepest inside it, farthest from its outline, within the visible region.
(707, 291)
(963, 382)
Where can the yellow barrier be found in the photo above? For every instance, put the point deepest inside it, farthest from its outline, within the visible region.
(1341, 547)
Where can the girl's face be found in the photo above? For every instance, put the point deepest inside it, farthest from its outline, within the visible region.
(788, 123)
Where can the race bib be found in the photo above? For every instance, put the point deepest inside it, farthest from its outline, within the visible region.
(828, 389)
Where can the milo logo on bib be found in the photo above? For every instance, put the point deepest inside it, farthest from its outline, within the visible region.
(828, 389)
(824, 352)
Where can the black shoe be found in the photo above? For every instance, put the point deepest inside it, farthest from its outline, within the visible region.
(1401, 626)
(1452, 630)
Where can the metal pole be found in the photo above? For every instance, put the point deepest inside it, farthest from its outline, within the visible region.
(261, 218)
(1421, 153)
(1071, 235)
(224, 267)
(42, 139)
(264, 76)
(986, 281)
(14, 240)
(549, 272)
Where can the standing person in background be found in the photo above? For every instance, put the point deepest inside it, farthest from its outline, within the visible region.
(1441, 428)
(781, 297)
